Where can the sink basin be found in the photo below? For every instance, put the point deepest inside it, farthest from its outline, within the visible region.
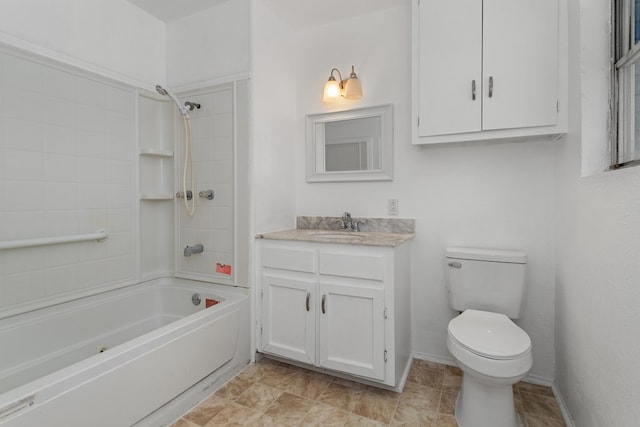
(338, 235)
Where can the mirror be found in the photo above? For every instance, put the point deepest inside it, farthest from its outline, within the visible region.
(353, 145)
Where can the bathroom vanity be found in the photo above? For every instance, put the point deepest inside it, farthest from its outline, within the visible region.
(336, 301)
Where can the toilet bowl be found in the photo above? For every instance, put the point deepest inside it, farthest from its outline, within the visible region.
(493, 354)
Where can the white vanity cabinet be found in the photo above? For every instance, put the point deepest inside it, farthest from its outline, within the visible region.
(487, 69)
(341, 307)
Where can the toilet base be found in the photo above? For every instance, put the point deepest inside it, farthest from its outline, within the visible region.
(483, 405)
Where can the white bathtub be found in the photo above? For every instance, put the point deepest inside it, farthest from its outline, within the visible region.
(142, 355)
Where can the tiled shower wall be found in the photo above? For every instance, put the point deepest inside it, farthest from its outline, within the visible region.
(213, 154)
(66, 167)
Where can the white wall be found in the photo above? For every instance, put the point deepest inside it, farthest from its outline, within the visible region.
(476, 194)
(109, 37)
(598, 230)
(274, 104)
(209, 47)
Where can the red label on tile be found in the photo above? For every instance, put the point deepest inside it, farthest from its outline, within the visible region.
(209, 302)
(223, 268)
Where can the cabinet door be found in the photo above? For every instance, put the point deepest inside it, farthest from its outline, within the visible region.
(289, 317)
(352, 329)
(450, 64)
(520, 56)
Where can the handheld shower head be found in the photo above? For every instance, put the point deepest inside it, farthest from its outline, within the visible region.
(162, 91)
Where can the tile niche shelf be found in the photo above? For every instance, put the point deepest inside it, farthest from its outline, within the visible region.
(156, 155)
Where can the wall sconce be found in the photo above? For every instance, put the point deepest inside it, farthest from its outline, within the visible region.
(348, 89)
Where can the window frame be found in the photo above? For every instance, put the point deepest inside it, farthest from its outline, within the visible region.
(625, 55)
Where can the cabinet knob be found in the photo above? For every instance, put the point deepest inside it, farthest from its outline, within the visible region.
(473, 90)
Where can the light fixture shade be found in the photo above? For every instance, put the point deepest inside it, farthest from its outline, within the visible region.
(353, 88)
(331, 90)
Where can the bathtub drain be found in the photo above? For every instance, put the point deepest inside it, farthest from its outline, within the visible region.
(196, 299)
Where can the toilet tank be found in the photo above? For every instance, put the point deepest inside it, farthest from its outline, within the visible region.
(485, 279)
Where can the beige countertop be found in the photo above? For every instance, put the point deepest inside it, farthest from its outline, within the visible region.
(366, 238)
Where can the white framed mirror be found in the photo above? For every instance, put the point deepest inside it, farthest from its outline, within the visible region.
(352, 145)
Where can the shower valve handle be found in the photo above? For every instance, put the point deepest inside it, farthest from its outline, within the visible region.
(207, 194)
(180, 195)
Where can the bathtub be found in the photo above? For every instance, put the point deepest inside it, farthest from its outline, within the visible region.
(142, 355)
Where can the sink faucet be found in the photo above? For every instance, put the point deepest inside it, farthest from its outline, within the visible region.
(350, 224)
(347, 221)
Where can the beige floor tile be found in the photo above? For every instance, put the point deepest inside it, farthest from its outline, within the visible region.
(445, 420)
(289, 409)
(233, 388)
(340, 396)
(422, 373)
(280, 377)
(309, 386)
(258, 396)
(411, 415)
(535, 421)
(273, 394)
(325, 416)
(184, 423)
(534, 388)
(354, 420)
(539, 405)
(379, 406)
(234, 415)
(447, 403)
(422, 397)
(206, 410)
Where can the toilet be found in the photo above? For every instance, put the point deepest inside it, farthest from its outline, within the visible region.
(487, 286)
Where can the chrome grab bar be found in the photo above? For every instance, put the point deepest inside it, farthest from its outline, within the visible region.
(46, 241)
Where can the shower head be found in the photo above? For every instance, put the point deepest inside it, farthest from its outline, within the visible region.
(162, 91)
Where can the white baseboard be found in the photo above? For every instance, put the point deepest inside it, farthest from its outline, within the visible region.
(568, 420)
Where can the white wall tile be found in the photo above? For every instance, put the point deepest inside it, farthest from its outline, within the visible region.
(23, 196)
(60, 196)
(60, 140)
(23, 74)
(23, 165)
(59, 112)
(23, 134)
(22, 104)
(92, 144)
(61, 168)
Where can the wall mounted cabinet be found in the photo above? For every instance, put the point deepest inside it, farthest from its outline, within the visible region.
(487, 69)
(343, 308)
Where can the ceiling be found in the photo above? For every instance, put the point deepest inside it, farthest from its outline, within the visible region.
(296, 13)
(172, 10)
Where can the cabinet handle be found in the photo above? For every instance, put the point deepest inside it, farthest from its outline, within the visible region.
(324, 297)
(308, 297)
(490, 86)
(473, 90)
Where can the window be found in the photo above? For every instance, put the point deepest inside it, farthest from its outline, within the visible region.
(626, 146)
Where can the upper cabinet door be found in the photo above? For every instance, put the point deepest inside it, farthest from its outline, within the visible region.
(520, 62)
(450, 63)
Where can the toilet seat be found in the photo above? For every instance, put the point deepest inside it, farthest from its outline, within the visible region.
(489, 335)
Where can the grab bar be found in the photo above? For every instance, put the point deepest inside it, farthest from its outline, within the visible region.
(45, 241)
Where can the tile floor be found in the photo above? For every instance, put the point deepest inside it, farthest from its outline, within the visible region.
(271, 393)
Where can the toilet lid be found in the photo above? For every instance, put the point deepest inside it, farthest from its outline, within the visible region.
(491, 335)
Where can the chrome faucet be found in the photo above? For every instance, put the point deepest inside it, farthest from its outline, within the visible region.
(350, 224)
(195, 249)
(347, 221)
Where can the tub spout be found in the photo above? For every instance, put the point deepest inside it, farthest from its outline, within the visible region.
(195, 249)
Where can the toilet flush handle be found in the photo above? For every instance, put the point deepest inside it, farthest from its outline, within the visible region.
(455, 264)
